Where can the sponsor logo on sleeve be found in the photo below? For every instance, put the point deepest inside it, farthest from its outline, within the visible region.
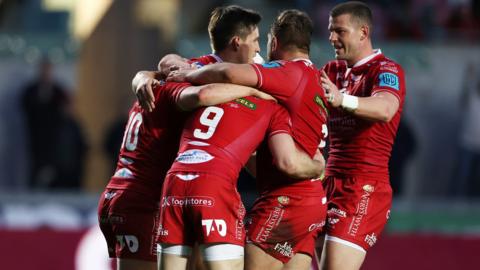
(388, 66)
(389, 79)
(320, 103)
(246, 103)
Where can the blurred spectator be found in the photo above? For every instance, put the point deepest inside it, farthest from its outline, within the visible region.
(461, 23)
(403, 150)
(467, 179)
(55, 141)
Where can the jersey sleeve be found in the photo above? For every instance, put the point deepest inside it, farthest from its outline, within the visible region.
(280, 122)
(389, 78)
(278, 78)
(172, 90)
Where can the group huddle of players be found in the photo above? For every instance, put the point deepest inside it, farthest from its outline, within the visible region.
(172, 202)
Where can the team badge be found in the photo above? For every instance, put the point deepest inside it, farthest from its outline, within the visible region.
(369, 188)
(389, 79)
(283, 200)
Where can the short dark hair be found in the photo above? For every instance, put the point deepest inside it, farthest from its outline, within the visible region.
(358, 11)
(229, 21)
(293, 28)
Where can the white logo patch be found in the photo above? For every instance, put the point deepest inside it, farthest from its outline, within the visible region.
(194, 156)
(131, 241)
(110, 195)
(285, 249)
(123, 173)
(212, 225)
(187, 177)
(126, 161)
(198, 143)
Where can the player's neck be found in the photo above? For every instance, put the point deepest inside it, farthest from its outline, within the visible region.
(362, 54)
(228, 56)
(292, 55)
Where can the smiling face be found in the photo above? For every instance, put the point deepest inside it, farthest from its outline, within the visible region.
(347, 38)
(249, 46)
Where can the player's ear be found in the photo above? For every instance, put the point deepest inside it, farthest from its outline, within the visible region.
(235, 42)
(364, 32)
(274, 43)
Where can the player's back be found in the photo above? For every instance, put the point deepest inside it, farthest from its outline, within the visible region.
(296, 85)
(220, 139)
(150, 142)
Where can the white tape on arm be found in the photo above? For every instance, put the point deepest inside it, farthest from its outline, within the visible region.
(349, 102)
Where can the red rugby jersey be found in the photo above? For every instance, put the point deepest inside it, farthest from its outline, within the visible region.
(359, 146)
(220, 139)
(297, 87)
(150, 142)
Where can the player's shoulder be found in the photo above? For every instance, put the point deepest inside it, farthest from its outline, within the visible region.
(385, 64)
(335, 66)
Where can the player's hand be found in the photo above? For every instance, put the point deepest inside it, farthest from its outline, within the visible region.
(333, 95)
(144, 92)
(179, 75)
(319, 157)
(172, 68)
(263, 95)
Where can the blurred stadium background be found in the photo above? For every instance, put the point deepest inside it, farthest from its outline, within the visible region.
(95, 47)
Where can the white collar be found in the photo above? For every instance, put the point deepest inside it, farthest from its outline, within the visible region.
(302, 59)
(368, 58)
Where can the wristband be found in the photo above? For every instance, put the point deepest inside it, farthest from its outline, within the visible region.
(349, 102)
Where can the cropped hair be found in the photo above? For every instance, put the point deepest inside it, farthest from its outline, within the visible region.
(229, 21)
(293, 29)
(359, 12)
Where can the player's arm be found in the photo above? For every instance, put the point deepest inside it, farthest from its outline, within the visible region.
(142, 86)
(291, 160)
(382, 106)
(212, 94)
(242, 74)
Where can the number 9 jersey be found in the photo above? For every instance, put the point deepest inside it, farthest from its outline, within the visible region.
(224, 136)
(200, 202)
